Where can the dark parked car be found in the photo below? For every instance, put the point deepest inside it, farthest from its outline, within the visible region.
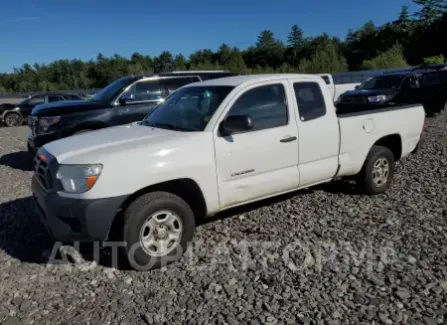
(424, 85)
(16, 114)
(125, 100)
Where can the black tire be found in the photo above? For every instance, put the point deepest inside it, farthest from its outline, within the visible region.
(367, 180)
(136, 216)
(13, 119)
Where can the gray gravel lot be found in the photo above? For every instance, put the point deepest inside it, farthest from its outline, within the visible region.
(321, 256)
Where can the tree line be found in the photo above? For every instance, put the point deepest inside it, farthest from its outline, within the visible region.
(411, 39)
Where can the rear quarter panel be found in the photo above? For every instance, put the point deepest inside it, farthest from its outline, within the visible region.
(360, 131)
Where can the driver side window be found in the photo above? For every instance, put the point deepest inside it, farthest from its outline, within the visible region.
(36, 101)
(265, 105)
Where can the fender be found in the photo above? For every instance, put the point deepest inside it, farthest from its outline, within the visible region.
(10, 110)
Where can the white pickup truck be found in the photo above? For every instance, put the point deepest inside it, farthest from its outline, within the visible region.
(211, 146)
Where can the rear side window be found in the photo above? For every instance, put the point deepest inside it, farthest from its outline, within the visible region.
(172, 84)
(55, 98)
(71, 97)
(266, 106)
(310, 100)
(431, 79)
(326, 80)
(146, 90)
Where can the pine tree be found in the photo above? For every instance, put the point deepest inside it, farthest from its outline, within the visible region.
(431, 10)
(295, 41)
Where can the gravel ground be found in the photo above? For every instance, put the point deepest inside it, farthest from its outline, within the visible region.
(322, 256)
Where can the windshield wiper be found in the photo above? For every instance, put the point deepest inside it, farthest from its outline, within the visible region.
(168, 126)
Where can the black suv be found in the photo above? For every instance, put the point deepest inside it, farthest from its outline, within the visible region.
(16, 114)
(425, 85)
(126, 100)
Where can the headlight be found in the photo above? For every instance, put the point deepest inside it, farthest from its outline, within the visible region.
(46, 122)
(378, 98)
(78, 178)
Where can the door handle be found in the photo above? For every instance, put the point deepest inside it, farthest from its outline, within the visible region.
(288, 139)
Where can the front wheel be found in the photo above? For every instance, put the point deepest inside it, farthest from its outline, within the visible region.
(13, 119)
(157, 229)
(378, 171)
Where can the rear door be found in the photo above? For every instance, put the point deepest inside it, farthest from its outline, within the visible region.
(319, 134)
(263, 161)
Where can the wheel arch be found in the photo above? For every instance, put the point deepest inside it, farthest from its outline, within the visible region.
(392, 142)
(9, 112)
(185, 188)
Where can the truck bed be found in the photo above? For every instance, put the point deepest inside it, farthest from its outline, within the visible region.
(360, 130)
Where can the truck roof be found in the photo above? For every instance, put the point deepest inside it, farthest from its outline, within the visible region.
(248, 79)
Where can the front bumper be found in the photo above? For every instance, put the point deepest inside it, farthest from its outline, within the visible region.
(68, 219)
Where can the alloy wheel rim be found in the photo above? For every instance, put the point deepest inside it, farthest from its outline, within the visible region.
(380, 172)
(12, 120)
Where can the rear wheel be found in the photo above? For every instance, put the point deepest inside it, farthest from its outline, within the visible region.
(13, 119)
(157, 229)
(378, 171)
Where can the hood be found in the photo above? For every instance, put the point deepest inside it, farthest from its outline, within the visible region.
(66, 106)
(370, 92)
(95, 146)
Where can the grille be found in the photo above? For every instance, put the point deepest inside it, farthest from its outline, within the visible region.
(353, 100)
(32, 124)
(42, 173)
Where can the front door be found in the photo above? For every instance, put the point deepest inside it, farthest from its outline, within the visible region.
(27, 107)
(146, 96)
(263, 161)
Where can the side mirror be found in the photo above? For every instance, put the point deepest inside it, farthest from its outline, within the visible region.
(236, 123)
(126, 97)
(357, 87)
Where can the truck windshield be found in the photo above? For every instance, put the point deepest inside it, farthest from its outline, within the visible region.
(188, 109)
(384, 82)
(108, 93)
